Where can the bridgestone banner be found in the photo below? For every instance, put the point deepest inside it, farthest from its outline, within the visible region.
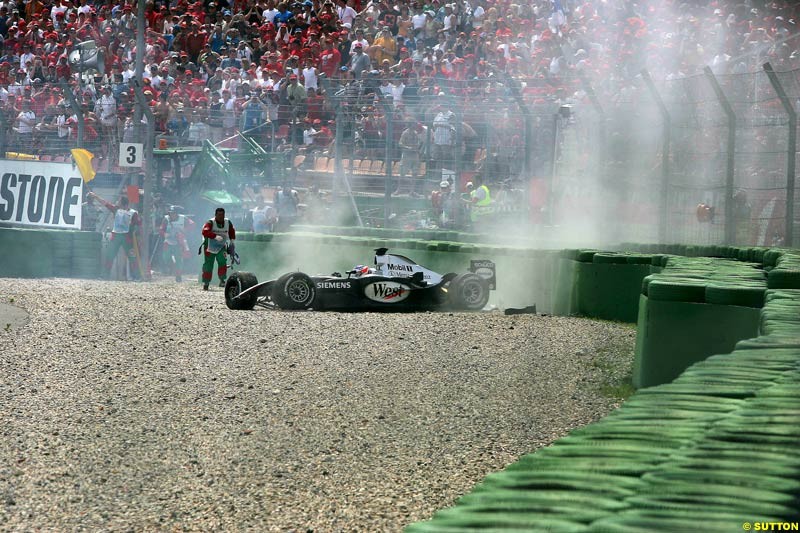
(33, 193)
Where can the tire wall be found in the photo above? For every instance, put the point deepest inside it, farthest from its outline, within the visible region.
(35, 253)
(714, 444)
(688, 302)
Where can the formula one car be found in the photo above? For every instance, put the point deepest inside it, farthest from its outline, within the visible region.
(394, 283)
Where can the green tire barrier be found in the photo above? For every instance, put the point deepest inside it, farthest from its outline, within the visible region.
(672, 335)
(86, 259)
(44, 253)
(709, 449)
(608, 287)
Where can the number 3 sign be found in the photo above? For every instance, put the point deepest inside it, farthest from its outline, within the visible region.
(130, 154)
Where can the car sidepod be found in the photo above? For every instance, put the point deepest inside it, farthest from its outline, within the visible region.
(378, 293)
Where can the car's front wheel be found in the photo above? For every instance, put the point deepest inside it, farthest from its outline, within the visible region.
(294, 290)
(237, 283)
(468, 291)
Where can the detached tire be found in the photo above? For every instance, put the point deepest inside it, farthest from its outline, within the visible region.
(237, 284)
(294, 291)
(468, 291)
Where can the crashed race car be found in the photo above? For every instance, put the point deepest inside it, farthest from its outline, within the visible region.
(395, 283)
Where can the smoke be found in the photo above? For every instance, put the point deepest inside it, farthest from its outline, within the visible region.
(608, 174)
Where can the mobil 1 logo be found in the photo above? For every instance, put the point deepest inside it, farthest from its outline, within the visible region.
(485, 269)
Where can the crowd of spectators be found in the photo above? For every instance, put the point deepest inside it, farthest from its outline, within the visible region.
(215, 67)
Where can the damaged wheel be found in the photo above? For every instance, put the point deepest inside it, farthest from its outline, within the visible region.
(237, 283)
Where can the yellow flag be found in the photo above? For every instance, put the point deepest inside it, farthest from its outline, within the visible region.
(83, 160)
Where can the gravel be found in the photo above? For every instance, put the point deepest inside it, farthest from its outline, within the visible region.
(151, 406)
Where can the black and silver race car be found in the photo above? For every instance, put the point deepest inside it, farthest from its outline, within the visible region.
(394, 283)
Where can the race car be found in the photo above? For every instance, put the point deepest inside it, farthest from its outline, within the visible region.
(394, 283)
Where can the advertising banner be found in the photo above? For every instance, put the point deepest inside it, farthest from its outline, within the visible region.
(36, 193)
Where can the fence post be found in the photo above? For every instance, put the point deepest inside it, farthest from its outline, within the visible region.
(388, 110)
(791, 150)
(3, 129)
(149, 167)
(338, 167)
(730, 228)
(666, 141)
(76, 108)
(527, 117)
(341, 114)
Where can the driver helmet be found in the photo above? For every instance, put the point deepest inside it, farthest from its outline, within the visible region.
(361, 270)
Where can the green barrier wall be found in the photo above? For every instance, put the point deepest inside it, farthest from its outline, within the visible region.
(671, 336)
(610, 291)
(33, 253)
(715, 449)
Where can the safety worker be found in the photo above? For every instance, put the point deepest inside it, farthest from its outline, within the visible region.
(123, 234)
(218, 233)
(173, 230)
(286, 204)
(480, 200)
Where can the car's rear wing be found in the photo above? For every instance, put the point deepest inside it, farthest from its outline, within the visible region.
(486, 269)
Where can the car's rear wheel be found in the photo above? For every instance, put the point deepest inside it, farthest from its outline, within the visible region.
(294, 291)
(468, 291)
(237, 283)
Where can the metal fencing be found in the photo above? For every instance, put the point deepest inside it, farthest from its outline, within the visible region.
(705, 159)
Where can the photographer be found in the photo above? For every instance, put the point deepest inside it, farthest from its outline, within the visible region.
(254, 113)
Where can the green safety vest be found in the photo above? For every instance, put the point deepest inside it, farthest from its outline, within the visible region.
(482, 207)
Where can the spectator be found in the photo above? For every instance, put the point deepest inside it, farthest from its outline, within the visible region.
(286, 205)
(106, 109)
(25, 122)
(228, 113)
(385, 47)
(264, 216)
(411, 142)
(295, 96)
(199, 130)
(443, 137)
(178, 125)
(254, 113)
(359, 62)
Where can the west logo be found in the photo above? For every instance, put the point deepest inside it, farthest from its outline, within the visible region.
(387, 291)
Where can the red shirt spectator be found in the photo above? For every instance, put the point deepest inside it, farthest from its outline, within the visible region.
(329, 60)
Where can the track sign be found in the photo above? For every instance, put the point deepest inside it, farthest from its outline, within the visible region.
(485, 269)
(36, 193)
(131, 154)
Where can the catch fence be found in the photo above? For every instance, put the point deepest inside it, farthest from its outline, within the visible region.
(707, 159)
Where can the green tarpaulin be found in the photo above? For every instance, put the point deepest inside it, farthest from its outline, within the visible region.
(223, 198)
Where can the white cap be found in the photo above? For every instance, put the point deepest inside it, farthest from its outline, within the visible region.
(444, 183)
